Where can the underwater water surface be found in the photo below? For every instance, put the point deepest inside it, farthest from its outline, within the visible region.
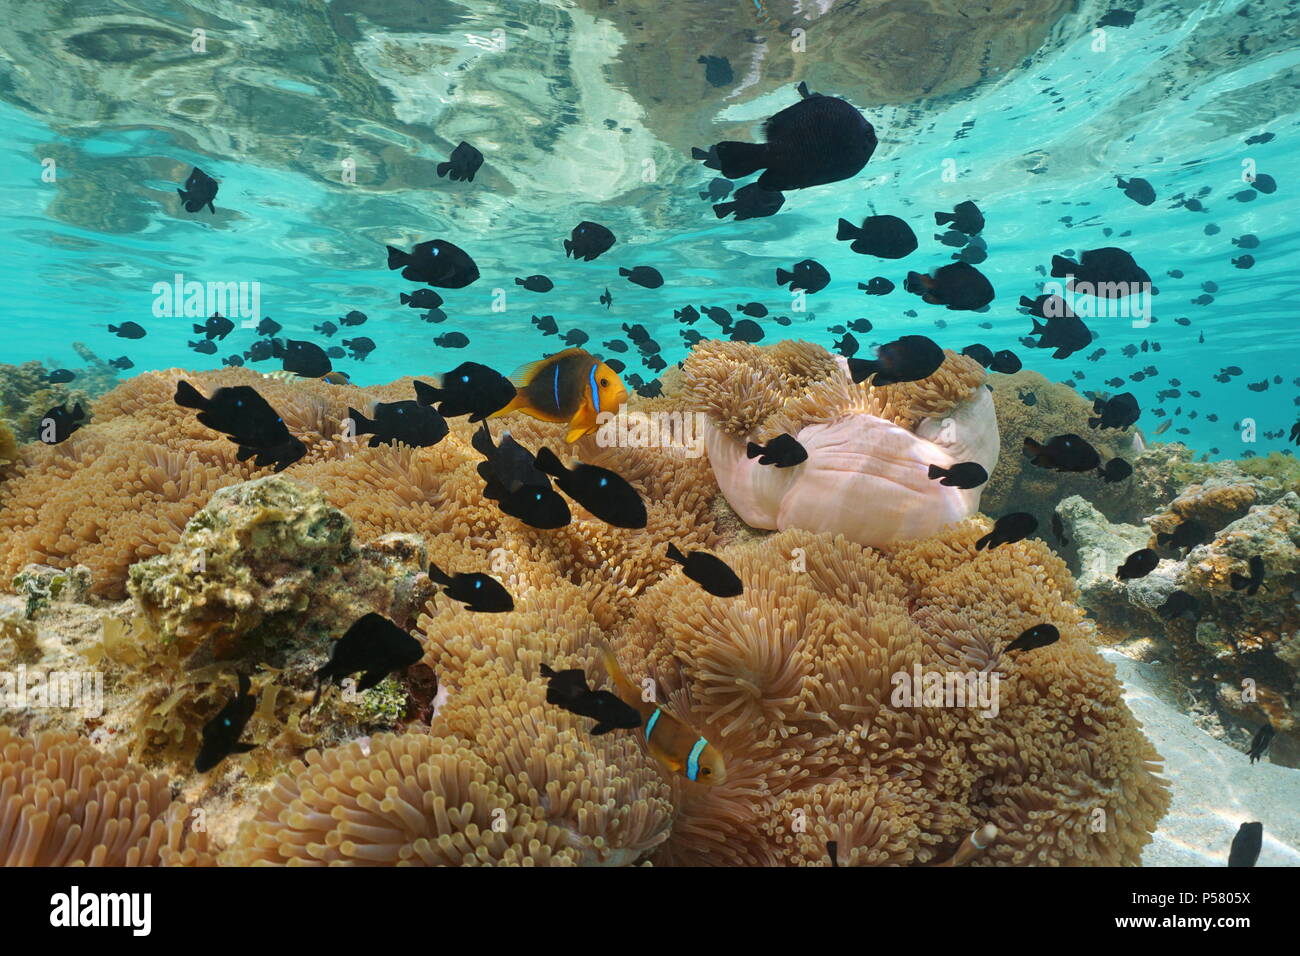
(327, 126)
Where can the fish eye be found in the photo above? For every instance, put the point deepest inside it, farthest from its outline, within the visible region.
(706, 771)
(604, 383)
(478, 584)
(537, 496)
(604, 482)
(465, 379)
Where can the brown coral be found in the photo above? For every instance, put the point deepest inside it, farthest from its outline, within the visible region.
(64, 803)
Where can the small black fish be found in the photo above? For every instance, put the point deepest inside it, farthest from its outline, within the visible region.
(1246, 845)
(464, 163)
(1063, 453)
(907, 359)
(1008, 529)
(575, 337)
(860, 325)
(468, 389)
(60, 376)
(421, 299)
(58, 424)
(688, 315)
(568, 689)
(1116, 470)
(451, 340)
(411, 423)
(847, 346)
(232, 361)
(602, 492)
(1249, 584)
(1040, 635)
(750, 202)
(980, 353)
(756, 310)
(514, 481)
(268, 326)
(1187, 535)
(352, 318)
(244, 416)
(1027, 397)
(1064, 331)
(326, 329)
(122, 362)
(1006, 362)
(717, 70)
(708, 571)
(718, 315)
(204, 346)
(1119, 411)
(647, 277)
(959, 286)
(1259, 745)
(477, 591)
(965, 475)
(606, 299)
(1109, 273)
(435, 262)
(588, 240)
(217, 326)
(818, 140)
(833, 851)
(1058, 530)
(336, 352)
(260, 351)
(302, 358)
(1177, 604)
(886, 237)
(784, 451)
(877, 286)
(1138, 565)
(374, 647)
(1138, 190)
(434, 316)
(200, 189)
(545, 324)
(537, 283)
(221, 734)
(965, 217)
(717, 189)
(746, 330)
(808, 274)
(128, 330)
(361, 346)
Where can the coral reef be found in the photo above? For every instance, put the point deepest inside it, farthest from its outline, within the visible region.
(792, 680)
(64, 802)
(1232, 640)
(864, 443)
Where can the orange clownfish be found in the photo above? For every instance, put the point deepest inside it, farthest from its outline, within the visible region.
(671, 742)
(572, 386)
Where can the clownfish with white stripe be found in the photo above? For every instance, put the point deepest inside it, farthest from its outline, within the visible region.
(572, 386)
(670, 741)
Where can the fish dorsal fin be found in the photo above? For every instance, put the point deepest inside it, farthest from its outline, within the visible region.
(526, 373)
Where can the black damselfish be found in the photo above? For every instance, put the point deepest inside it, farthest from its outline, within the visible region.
(221, 734)
(784, 451)
(709, 572)
(410, 423)
(1063, 453)
(907, 359)
(477, 591)
(568, 689)
(588, 240)
(245, 417)
(200, 189)
(1040, 635)
(436, 262)
(468, 389)
(515, 483)
(1138, 565)
(464, 163)
(1008, 529)
(602, 492)
(1246, 845)
(374, 647)
(965, 475)
(1250, 584)
(58, 423)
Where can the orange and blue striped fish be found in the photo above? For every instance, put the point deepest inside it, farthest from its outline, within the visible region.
(572, 386)
(670, 741)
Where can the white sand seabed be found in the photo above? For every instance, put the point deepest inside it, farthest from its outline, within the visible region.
(1215, 787)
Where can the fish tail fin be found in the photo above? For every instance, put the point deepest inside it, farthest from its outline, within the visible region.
(113, 328)
(547, 672)
(782, 277)
(519, 281)
(1026, 302)
(364, 426)
(738, 160)
(675, 553)
(917, 282)
(847, 230)
(213, 209)
(1033, 448)
(615, 670)
(199, 329)
(438, 575)
(941, 217)
(397, 258)
(861, 369)
(568, 248)
(723, 209)
(426, 394)
(1061, 266)
(403, 298)
(189, 396)
(547, 463)
(482, 442)
(1119, 181)
(442, 169)
(696, 153)
(1038, 328)
(624, 272)
(937, 472)
(752, 450)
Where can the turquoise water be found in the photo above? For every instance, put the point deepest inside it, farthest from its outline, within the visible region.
(1172, 99)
